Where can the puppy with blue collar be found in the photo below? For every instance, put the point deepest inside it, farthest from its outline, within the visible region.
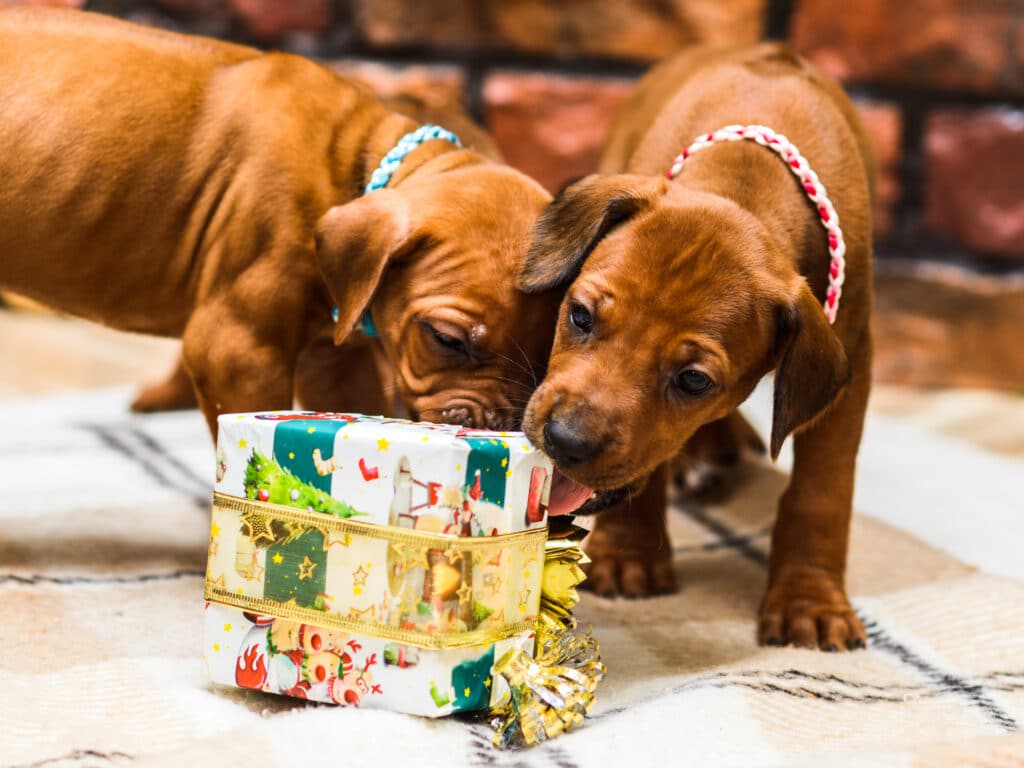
(261, 207)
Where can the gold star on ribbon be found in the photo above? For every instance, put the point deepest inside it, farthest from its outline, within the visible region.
(453, 554)
(258, 528)
(410, 556)
(306, 568)
(529, 552)
(382, 444)
(496, 585)
(354, 614)
(465, 593)
(335, 538)
(359, 576)
(524, 596)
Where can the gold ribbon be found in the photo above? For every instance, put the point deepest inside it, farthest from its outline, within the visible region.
(553, 691)
(258, 519)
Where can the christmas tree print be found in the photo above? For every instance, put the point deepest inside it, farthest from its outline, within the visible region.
(266, 480)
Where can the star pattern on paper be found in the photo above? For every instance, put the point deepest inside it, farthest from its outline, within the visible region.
(382, 444)
(524, 596)
(306, 568)
(213, 549)
(214, 529)
(218, 583)
(359, 576)
(487, 683)
(465, 593)
(258, 528)
(336, 538)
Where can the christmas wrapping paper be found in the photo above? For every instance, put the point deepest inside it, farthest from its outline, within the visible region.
(375, 562)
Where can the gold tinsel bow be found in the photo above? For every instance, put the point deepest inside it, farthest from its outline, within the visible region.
(552, 691)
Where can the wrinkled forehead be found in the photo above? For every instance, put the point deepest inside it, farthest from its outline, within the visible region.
(666, 256)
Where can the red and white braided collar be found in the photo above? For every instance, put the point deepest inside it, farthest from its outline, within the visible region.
(812, 186)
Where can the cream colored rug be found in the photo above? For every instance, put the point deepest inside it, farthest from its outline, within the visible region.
(103, 530)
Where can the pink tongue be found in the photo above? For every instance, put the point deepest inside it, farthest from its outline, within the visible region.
(566, 495)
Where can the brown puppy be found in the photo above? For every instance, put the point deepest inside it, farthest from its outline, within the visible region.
(180, 186)
(685, 294)
(354, 375)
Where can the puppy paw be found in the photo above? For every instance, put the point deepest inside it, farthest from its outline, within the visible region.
(170, 395)
(709, 466)
(808, 608)
(629, 571)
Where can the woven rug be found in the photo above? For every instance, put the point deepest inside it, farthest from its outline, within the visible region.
(103, 530)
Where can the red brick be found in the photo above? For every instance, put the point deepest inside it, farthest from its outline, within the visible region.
(945, 327)
(974, 185)
(552, 128)
(272, 19)
(957, 44)
(44, 3)
(884, 125)
(636, 29)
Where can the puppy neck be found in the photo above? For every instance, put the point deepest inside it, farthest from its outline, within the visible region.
(381, 140)
(756, 180)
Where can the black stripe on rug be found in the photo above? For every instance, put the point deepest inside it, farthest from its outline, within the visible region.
(76, 756)
(971, 693)
(63, 581)
(947, 682)
(114, 439)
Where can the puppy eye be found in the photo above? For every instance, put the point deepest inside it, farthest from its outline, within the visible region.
(448, 341)
(693, 382)
(580, 318)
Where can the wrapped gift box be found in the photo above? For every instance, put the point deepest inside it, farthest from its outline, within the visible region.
(371, 561)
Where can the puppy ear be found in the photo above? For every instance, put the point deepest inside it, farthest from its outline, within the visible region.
(813, 367)
(355, 243)
(576, 220)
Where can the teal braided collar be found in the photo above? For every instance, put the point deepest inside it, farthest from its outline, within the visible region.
(382, 175)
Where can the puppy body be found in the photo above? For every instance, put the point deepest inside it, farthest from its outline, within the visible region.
(715, 278)
(175, 185)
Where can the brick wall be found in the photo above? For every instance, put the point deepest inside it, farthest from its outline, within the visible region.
(940, 84)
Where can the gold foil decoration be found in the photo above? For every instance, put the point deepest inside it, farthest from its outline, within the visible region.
(449, 563)
(553, 691)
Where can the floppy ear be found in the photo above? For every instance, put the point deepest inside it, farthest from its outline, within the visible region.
(576, 220)
(355, 243)
(813, 367)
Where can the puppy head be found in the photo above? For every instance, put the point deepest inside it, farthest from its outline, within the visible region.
(678, 303)
(435, 261)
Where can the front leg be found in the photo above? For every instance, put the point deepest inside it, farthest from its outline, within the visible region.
(629, 547)
(806, 603)
(235, 367)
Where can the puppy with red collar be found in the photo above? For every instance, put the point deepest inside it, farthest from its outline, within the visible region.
(727, 237)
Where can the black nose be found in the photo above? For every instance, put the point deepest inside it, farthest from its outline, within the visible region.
(566, 445)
